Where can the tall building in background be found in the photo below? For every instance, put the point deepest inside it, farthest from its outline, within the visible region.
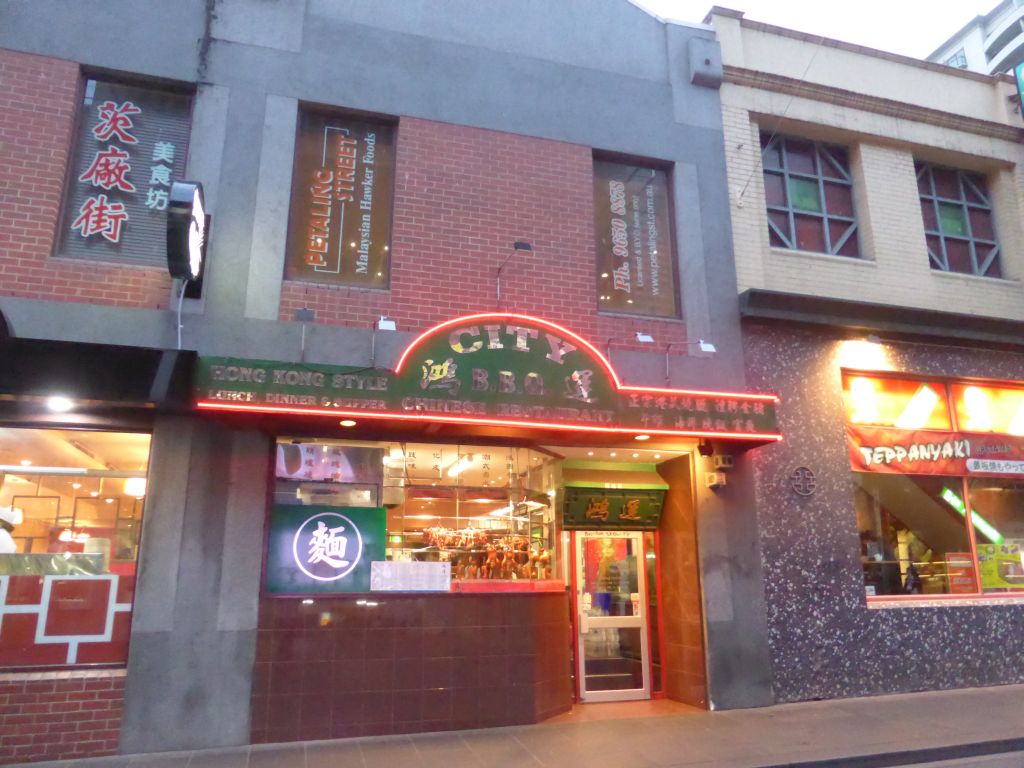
(991, 43)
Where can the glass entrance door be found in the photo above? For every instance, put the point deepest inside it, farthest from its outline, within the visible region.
(612, 655)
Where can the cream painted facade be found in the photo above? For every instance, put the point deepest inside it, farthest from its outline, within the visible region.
(887, 110)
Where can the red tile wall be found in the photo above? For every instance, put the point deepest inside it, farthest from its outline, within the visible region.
(411, 663)
(462, 197)
(58, 716)
(38, 99)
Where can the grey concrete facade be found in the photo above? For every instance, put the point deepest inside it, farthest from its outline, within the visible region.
(597, 73)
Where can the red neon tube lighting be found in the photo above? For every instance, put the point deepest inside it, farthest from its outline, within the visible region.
(388, 415)
(577, 339)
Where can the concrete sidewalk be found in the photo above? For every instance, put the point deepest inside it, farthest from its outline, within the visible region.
(975, 728)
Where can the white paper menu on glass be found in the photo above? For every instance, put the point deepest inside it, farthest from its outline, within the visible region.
(394, 576)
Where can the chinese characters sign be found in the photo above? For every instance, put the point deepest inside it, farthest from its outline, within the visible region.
(323, 549)
(933, 452)
(131, 143)
(340, 222)
(502, 368)
(635, 258)
(590, 508)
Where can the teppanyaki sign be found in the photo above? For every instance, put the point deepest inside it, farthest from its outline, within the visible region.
(502, 369)
(933, 452)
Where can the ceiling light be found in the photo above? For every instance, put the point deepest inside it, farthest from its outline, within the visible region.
(26, 462)
(94, 494)
(109, 501)
(347, 423)
(59, 404)
(612, 454)
(464, 462)
(642, 437)
(135, 486)
(636, 455)
(76, 486)
(590, 453)
(307, 601)
(657, 455)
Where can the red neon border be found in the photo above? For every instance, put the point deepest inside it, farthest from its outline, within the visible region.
(390, 415)
(601, 359)
(505, 316)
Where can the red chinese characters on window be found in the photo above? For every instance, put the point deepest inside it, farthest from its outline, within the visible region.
(99, 216)
(109, 170)
(130, 145)
(115, 120)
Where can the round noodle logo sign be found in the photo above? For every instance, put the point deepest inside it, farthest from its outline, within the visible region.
(327, 546)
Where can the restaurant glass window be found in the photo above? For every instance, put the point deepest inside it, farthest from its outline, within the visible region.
(489, 511)
(71, 505)
(988, 408)
(959, 221)
(913, 535)
(339, 230)
(809, 193)
(131, 143)
(997, 511)
(899, 403)
(636, 264)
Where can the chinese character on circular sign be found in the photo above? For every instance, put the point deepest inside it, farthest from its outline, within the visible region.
(327, 546)
(802, 481)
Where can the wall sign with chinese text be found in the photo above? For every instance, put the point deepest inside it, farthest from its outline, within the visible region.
(636, 272)
(131, 142)
(598, 508)
(323, 549)
(340, 221)
(504, 369)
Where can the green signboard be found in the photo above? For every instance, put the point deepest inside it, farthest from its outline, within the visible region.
(593, 508)
(499, 369)
(315, 549)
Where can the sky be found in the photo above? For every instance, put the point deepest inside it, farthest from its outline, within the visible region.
(909, 27)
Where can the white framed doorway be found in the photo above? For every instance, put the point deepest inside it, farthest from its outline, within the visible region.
(612, 647)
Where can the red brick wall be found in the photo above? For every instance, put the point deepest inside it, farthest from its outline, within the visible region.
(462, 197)
(59, 715)
(38, 98)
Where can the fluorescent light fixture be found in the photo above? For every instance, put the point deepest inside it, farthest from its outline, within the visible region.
(1017, 425)
(464, 462)
(978, 404)
(135, 486)
(983, 525)
(864, 401)
(644, 338)
(42, 470)
(919, 409)
(60, 404)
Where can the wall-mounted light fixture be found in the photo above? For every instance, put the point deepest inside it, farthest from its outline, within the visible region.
(517, 246)
(704, 346)
(386, 324)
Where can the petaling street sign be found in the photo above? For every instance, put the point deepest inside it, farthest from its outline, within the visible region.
(494, 369)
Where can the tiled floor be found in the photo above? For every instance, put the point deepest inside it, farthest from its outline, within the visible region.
(660, 735)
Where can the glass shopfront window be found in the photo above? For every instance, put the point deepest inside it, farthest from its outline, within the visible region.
(489, 511)
(913, 535)
(997, 509)
(71, 505)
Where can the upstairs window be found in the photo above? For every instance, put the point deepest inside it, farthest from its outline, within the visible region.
(809, 192)
(958, 59)
(958, 221)
(130, 146)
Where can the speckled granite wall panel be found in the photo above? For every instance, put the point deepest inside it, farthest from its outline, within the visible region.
(825, 642)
